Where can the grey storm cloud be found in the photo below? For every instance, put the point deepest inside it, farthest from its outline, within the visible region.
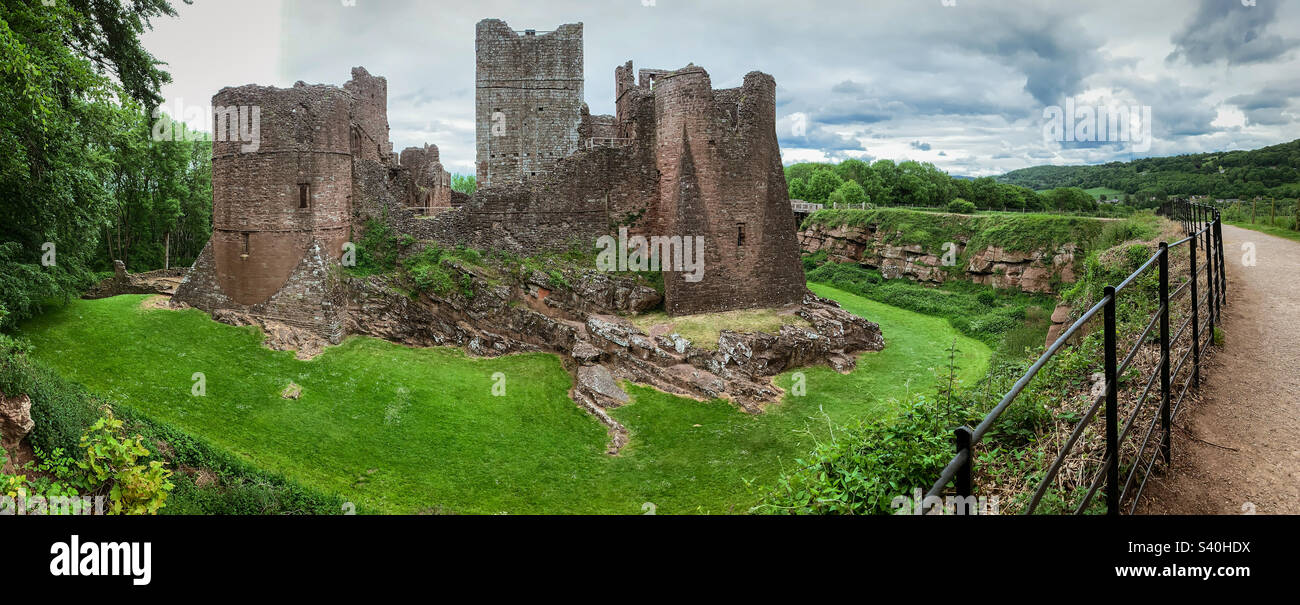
(1268, 105)
(911, 77)
(1231, 31)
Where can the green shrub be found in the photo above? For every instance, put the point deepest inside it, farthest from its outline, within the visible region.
(864, 467)
(240, 488)
(62, 410)
(960, 206)
(380, 247)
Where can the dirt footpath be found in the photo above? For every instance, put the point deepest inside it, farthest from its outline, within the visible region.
(1238, 450)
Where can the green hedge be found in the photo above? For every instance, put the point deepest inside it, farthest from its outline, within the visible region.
(62, 411)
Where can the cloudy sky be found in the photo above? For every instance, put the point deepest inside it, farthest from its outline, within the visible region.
(961, 83)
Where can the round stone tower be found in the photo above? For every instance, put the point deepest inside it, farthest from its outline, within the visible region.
(281, 179)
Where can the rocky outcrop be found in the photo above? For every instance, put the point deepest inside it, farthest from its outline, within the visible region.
(1039, 271)
(580, 316)
(162, 281)
(584, 323)
(15, 424)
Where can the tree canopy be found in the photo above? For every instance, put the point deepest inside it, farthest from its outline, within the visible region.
(76, 91)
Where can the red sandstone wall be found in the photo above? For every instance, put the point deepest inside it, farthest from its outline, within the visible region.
(256, 195)
(535, 83)
(370, 114)
(721, 174)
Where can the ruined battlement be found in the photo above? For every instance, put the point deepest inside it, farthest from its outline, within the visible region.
(283, 187)
(370, 114)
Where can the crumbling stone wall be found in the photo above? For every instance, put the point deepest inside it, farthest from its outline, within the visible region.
(423, 181)
(686, 161)
(528, 100)
(369, 115)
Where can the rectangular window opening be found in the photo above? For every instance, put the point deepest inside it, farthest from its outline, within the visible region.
(304, 195)
(740, 234)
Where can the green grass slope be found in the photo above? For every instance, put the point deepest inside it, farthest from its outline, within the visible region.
(403, 430)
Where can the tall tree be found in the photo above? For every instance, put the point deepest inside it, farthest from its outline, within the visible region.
(65, 69)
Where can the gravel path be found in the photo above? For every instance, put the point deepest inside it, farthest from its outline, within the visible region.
(1238, 450)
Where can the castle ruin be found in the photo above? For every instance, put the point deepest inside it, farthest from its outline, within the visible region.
(678, 159)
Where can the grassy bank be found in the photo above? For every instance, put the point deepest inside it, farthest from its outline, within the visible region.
(402, 430)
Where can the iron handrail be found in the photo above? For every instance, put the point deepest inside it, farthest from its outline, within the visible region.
(1199, 223)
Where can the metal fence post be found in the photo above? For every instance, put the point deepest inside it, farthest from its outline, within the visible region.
(1196, 313)
(1211, 262)
(1112, 408)
(1165, 424)
(964, 479)
(1222, 280)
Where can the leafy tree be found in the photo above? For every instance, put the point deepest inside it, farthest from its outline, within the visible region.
(853, 170)
(464, 183)
(66, 72)
(960, 206)
(798, 189)
(822, 185)
(849, 193)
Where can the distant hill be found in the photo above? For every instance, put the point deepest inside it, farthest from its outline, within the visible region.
(1270, 171)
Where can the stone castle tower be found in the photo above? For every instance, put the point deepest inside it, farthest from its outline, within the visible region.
(679, 159)
(282, 207)
(528, 100)
(720, 177)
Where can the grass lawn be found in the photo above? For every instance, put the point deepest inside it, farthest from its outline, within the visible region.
(401, 430)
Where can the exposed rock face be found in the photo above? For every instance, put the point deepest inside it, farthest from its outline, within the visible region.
(1038, 271)
(15, 424)
(583, 324)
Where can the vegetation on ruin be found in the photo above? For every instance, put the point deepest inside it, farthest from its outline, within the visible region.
(394, 429)
(425, 266)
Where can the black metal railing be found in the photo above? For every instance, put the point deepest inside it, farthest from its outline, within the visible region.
(1204, 242)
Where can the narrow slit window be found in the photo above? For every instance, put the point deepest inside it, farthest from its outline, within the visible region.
(740, 234)
(245, 234)
(304, 195)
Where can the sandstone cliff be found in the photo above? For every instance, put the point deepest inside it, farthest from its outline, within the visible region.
(963, 248)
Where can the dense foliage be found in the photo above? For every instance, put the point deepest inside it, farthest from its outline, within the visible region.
(69, 420)
(1023, 232)
(974, 310)
(1271, 171)
(464, 183)
(917, 184)
(77, 92)
(865, 466)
